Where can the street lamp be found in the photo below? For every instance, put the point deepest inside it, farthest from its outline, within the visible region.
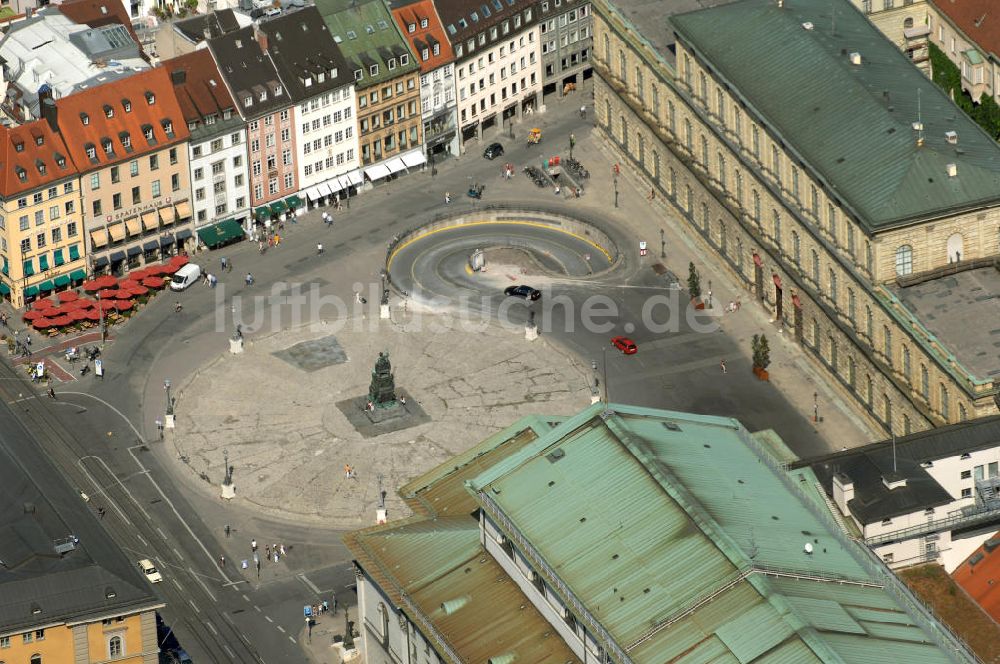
(616, 191)
(663, 245)
(170, 403)
(100, 311)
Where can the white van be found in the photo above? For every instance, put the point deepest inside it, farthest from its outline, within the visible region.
(185, 276)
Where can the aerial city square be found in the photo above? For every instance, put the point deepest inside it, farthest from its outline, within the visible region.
(500, 331)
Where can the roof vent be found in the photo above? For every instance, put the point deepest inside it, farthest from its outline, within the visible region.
(453, 605)
(808, 548)
(918, 126)
(855, 58)
(29, 508)
(555, 455)
(952, 170)
(952, 137)
(109, 593)
(893, 481)
(807, 25)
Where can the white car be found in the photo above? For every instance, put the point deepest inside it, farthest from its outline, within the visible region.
(149, 571)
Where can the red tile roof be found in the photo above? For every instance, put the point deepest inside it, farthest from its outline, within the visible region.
(98, 13)
(28, 150)
(982, 580)
(199, 86)
(978, 19)
(423, 38)
(141, 103)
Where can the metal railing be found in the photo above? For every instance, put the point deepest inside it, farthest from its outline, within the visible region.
(963, 518)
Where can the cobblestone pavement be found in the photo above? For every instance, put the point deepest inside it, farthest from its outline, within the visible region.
(289, 443)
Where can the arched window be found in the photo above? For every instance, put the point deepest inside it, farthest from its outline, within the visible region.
(833, 285)
(35, 659)
(722, 237)
(739, 188)
(622, 71)
(641, 140)
(607, 49)
(624, 130)
(904, 260)
(704, 152)
(722, 170)
(776, 226)
(945, 401)
(671, 117)
(756, 207)
(116, 647)
(688, 135)
(925, 387)
(815, 267)
(639, 92)
(384, 620)
(656, 165)
(955, 248)
(796, 248)
(907, 427)
(907, 23)
(607, 114)
(869, 388)
(689, 200)
(704, 217)
(887, 410)
(739, 252)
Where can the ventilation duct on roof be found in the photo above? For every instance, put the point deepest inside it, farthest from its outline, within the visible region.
(951, 137)
(855, 58)
(952, 170)
(453, 605)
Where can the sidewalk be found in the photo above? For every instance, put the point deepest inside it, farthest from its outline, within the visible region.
(792, 370)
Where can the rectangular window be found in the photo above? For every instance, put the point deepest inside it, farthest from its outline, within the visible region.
(133, 168)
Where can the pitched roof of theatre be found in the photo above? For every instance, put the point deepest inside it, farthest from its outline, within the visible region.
(121, 112)
(682, 539)
(852, 124)
(31, 156)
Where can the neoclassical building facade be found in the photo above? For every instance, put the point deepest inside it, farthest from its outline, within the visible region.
(816, 191)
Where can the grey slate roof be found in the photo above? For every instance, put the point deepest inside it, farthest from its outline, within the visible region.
(249, 72)
(300, 45)
(851, 123)
(218, 23)
(74, 585)
(866, 466)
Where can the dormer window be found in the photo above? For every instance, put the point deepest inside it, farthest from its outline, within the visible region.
(22, 174)
(248, 101)
(40, 139)
(320, 77)
(412, 27)
(108, 111)
(150, 98)
(40, 165)
(404, 59)
(333, 73)
(126, 139)
(18, 145)
(168, 127)
(425, 54)
(306, 81)
(423, 23)
(226, 114)
(147, 131)
(85, 119)
(373, 70)
(210, 119)
(192, 125)
(392, 63)
(127, 105)
(91, 151)
(475, 17)
(60, 161)
(109, 147)
(437, 49)
(277, 91)
(263, 95)
(358, 74)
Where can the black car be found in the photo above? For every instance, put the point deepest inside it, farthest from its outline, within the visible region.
(493, 151)
(527, 292)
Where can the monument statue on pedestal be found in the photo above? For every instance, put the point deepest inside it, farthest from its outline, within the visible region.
(382, 391)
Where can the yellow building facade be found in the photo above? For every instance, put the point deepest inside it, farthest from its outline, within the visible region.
(128, 639)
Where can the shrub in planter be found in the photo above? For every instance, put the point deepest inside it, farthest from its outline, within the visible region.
(761, 356)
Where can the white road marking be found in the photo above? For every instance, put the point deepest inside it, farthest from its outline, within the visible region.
(162, 534)
(280, 629)
(176, 583)
(268, 619)
(141, 539)
(246, 598)
(229, 651)
(197, 577)
(291, 638)
(194, 606)
(99, 490)
(118, 481)
(309, 584)
(256, 608)
(177, 553)
(209, 625)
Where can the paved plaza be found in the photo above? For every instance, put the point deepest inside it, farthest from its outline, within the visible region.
(289, 442)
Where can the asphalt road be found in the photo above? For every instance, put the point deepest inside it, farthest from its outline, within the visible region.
(101, 434)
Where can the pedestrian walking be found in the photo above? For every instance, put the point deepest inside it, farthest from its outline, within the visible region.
(447, 198)
(333, 596)
(326, 606)
(283, 549)
(223, 263)
(100, 512)
(249, 279)
(228, 530)
(722, 365)
(222, 561)
(583, 111)
(253, 545)
(267, 551)
(319, 248)
(52, 393)
(652, 194)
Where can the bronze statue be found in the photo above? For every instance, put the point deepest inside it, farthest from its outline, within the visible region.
(382, 391)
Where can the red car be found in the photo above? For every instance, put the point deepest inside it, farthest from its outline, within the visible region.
(625, 345)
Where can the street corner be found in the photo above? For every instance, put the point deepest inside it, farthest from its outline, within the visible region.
(290, 413)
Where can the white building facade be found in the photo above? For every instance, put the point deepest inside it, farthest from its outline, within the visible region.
(327, 144)
(219, 176)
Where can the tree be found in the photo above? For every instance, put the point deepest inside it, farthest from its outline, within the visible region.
(694, 281)
(765, 353)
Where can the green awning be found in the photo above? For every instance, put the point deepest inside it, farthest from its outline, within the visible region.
(29, 267)
(46, 285)
(262, 213)
(278, 207)
(74, 252)
(4, 289)
(61, 280)
(77, 275)
(43, 262)
(57, 257)
(221, 233)
(294, 202)
(31, 291)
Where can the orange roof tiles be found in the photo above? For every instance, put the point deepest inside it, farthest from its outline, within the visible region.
(122, 119)
(200, 90)
(982, 580)
(423, 39)
(98, 13)
(978, 19)
(31, 156)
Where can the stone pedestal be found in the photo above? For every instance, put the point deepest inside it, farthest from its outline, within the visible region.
(228, 491)
(168, 421)
(530, 332)
(236, 346)
(383, 311)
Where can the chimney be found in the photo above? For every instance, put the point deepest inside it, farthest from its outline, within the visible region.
(260, 36)
(952, 137)
(952, 170)
(50, 112)
(178, 76)
(855, 58)
(843, 492)
(207, 30)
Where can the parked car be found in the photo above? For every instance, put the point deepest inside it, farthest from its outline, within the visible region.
(149, 571)
(185, 276)
(625, 345)
(493, 151)
(527, 292)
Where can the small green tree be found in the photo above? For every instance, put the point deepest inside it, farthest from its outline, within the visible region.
(694, 281)
(764, 352)
(755, 350)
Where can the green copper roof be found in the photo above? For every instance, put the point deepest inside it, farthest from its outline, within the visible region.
(367, 36)
(671, 528)
(851, 123)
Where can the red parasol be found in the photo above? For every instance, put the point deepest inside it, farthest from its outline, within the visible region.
(122, 305)
(85, 304)
(93, 314)
(69, 296)
(107, 281)
(170, 269)
(91, 286)
(78, 314)
(41, 323)
(128, 283)
(107, 293)
(154, 270)
(61, 321)
(53, 312)
(104, 305)
(153, 282)
(43, 304)
(33, 314)
(137, 275)
(137, 290)
(180, 260)
(122, 294)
